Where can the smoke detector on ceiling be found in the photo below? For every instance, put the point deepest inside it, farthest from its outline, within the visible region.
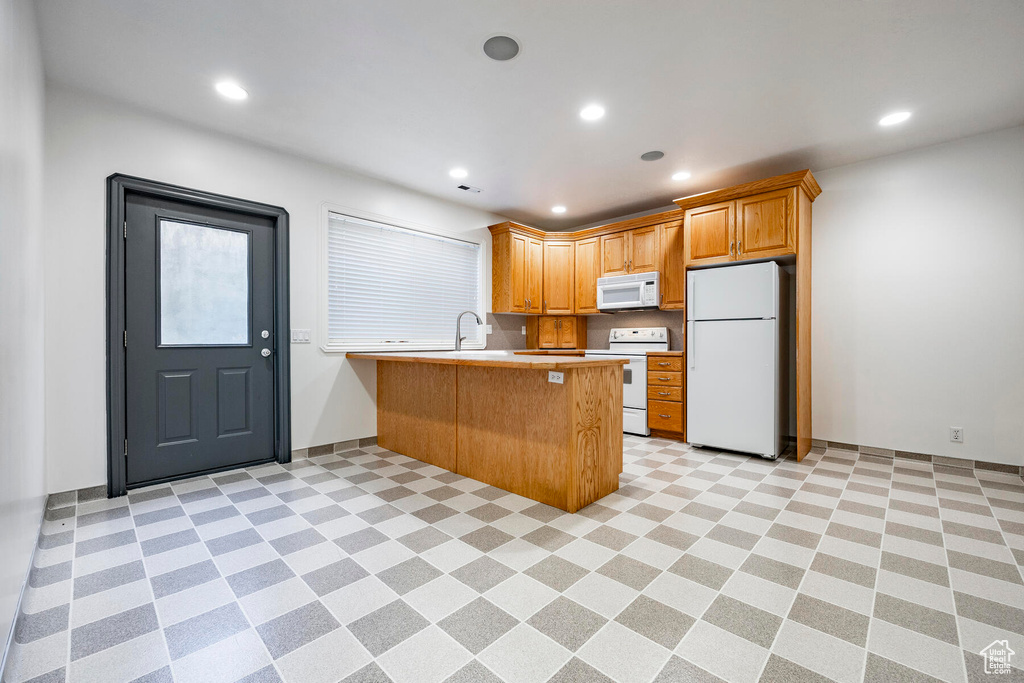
(470, 188)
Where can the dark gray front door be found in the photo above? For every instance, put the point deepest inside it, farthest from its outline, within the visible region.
(199, 342)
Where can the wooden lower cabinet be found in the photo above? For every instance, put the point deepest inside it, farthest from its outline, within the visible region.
(556, 332)
(666, 396)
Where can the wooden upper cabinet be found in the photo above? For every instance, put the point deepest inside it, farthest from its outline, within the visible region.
(559, 278)
(643, 249)
(630, 251)
(588, 269)
(673, 273)
(615, 254)
(766, 225)
(710, 234)
(517, 269)
(534, 275)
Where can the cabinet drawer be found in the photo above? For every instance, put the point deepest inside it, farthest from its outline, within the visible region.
(665, 393)
(657, 378)
(665, 415)
(664, 363)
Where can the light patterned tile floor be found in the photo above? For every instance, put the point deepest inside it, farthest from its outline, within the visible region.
(367, 566)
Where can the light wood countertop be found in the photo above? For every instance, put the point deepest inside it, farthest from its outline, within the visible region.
(494, 359)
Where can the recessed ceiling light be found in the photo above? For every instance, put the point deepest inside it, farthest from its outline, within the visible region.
(652, 156)
(592, 112)
(501, 48)
(894, 118)
(682, 175)
(458, 173)
(231, 90)
(558, 209)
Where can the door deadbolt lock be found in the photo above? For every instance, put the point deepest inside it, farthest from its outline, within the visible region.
(265, 334)
(265, 353)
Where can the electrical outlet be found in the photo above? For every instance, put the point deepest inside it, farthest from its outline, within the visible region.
(956, 434)
(524, 329)
(487, 329)
(555, 377)
(300, 336)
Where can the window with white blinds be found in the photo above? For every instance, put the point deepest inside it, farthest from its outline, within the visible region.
(395, 288)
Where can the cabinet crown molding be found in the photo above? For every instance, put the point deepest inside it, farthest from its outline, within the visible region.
(803, 179)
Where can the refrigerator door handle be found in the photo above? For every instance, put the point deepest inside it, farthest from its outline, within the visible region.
(690, 345)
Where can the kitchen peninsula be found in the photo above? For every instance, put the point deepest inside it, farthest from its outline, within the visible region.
(548, 428)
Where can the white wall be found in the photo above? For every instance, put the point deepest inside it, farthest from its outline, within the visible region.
(22, 471)
(89, 138)
(918, 300)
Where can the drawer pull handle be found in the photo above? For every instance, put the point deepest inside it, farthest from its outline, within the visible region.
(664, 364)
(663, 393)
(664, 416)
(664, 379)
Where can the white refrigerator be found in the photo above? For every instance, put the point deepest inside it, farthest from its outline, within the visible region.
(732, 359)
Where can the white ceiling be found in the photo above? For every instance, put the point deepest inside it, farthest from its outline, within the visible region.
(400, 89)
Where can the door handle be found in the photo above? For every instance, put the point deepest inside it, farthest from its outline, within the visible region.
(739, 248)
(690, 345)
(266, 353)
(631, 264)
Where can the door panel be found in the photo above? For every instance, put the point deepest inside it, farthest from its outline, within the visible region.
(710, 231)
(519, 273)
(673, 273)
(567, 332)
(558, 277)
(535, 275)
(614, 254)
(643, 250)
(748, 290)
(731, 383)
(234, 401)
(766, 225)
(200, 291)
(547, 332)
(588, 267)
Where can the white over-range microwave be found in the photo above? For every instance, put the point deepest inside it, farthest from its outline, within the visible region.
(629, 292)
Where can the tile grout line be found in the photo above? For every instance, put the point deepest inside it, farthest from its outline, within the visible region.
(71, 597)
(878, 568)
(149, 583)
(796, 594)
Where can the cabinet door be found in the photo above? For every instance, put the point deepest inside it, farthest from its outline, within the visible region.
(567, 332)
(517, 269)
(547, 332)
(673, 273)
(588, 266)
(534, 275)
(766, 225)
(643, 249)
(709, 233)
(558, 277)
(614, 254)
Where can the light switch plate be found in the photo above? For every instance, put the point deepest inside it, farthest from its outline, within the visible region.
(524, 329)
(300, 336)
(556, 377)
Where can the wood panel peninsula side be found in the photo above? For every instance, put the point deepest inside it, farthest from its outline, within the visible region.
(500, 419)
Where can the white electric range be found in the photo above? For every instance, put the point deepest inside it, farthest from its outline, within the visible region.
(633, 343)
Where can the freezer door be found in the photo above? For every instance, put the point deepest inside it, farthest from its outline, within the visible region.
(749, 291)
(732, 385)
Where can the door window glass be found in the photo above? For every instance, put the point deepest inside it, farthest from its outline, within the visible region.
(204, 285)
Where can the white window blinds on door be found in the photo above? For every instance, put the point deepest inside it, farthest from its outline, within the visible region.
(390, 287)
